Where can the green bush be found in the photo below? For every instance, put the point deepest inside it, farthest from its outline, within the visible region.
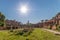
(27, 32)
(2, 19)
(23, 32)
(1, 24)
(19, 33)
(27, 39)
(58, 28)
(11, 30)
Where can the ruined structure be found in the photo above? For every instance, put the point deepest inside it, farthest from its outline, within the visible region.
(12, 24)
(51, 24)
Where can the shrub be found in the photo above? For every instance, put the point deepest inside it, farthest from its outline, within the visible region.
(24, 32)
(11, 30)
(58, 28)
(19, 33)
(27, 39)
(28, 32)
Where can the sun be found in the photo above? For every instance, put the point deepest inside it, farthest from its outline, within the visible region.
(24, 9)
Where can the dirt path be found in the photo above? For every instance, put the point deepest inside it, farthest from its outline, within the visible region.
(55, 32)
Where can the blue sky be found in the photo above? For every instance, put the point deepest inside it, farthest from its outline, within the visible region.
(40, 9)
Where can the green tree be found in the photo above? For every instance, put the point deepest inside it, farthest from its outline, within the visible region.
(2, 19)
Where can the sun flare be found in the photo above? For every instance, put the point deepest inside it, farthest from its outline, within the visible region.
(23, 9)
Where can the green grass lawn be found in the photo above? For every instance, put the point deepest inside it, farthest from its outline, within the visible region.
(37, 34)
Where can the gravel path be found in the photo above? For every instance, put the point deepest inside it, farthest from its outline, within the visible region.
(55, 32)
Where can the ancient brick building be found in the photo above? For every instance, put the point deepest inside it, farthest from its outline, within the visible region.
(12, 24)
(52, 23)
